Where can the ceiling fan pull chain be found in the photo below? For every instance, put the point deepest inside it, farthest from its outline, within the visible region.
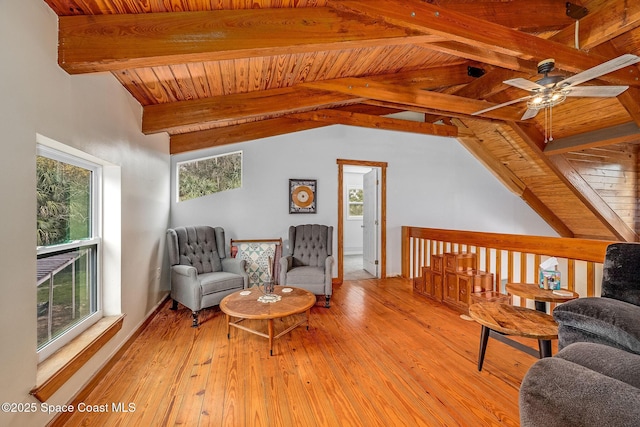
(546, 125)
(550, 124)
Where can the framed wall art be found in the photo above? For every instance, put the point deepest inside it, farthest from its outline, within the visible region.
(303, 196)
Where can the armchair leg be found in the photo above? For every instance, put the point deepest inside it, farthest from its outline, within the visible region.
(195, 319)
(174, 305)
(326, 301)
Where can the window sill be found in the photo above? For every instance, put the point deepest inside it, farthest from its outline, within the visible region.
(59, 367)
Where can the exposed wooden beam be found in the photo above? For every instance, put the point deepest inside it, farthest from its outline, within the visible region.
(91, 43)
(628, 132)
(546, 214)
(174, 117)
(372, 89)
(574, 181)
(433, 113)
(630, 99)
(549, 14)
(429, 78)
(422, 16)
(375, 122)
(190, 141)
(480, 54)
(471, 142)
(489, 84)
(613, 18)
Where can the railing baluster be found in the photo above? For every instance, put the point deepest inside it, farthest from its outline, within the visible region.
(591, 280)
(571, 274)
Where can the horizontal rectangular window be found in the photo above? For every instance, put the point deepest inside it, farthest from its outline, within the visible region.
(201, 177)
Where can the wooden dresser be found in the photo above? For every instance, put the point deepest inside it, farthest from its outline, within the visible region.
(452, 278)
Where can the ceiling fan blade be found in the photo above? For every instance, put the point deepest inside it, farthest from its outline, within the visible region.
(600, 70)
(523, 84)
(504, 104)
(597, 91)
(530, 113)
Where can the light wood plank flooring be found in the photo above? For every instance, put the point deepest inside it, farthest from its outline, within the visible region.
(380, 356)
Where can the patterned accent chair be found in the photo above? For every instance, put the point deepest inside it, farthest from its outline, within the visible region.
(201, 273)
(309, 264)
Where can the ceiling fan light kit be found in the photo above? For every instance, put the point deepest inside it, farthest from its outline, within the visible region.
(549, 91)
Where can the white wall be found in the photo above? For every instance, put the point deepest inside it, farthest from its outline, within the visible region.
(96, 115)
(431, 182)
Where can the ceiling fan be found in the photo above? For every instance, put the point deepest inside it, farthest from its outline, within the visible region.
(550, 91)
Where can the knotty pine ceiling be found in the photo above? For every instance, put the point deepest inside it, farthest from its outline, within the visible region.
(215, 72)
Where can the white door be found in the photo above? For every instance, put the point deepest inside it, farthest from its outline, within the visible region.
(370, 222)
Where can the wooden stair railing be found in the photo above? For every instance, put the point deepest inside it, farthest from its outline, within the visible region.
(510, 257)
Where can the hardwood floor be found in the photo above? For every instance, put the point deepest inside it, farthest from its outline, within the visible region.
(380, 356)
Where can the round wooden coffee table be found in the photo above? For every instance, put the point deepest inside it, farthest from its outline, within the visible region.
(505, 319)
(245, 305)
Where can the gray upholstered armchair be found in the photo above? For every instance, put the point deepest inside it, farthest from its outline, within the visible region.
(201, 273)
(309, 264)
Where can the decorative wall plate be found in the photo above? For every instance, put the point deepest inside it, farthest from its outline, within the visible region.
(302, 195)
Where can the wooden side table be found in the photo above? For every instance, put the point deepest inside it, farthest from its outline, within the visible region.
(540, 296)
(503, 319)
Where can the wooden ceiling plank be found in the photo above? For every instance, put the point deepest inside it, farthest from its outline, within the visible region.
(171, 117)
(629, 132)
(191, 141)
(376, 122)
(577, 184)
(421, 16)
(600, 26)
(113, 42)
(372, 89)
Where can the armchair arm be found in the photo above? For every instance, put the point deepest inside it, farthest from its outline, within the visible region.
(185, 287)
(285, 265)
(185, 270)
(328, 273)
(600, 320)
(236, 266)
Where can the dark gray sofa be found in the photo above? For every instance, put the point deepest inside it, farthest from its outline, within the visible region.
(594, 380)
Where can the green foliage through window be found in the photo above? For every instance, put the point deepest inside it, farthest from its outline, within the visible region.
(356, 202)
(202, 177)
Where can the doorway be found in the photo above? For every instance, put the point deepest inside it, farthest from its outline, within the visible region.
(361, 220)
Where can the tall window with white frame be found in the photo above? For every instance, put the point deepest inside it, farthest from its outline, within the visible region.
(69, 245)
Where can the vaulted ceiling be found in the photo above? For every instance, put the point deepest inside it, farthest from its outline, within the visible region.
(214, 72)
